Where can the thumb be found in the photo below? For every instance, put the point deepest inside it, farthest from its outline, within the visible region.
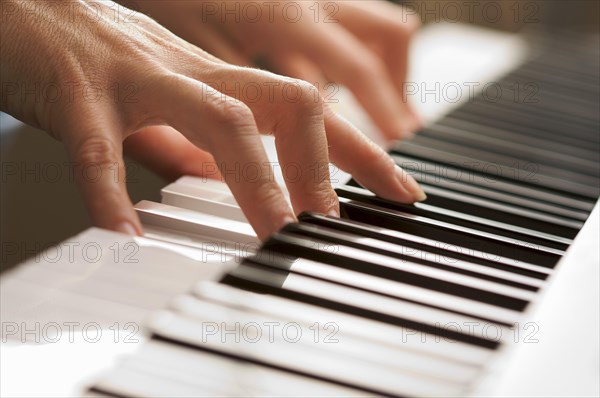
(99, 172)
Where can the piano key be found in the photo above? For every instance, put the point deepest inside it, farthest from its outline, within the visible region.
(213, 373)
(175, 218)
(452, 234)
(536, 100)
(550, 218)
(344, 299)
(443, 250)
(140, 380)
(404, 361)
(489, 220)
(569, 183)
(516, 150)
(191, 197)
(560, 83)
(287, 252)
(443, 307)
(522, 220)
(307, 360)
(203, 249)
(525, 130)
(493, 182)
(510, 167)
(562, 143)
(207, 184)
(456, 354)
(547, 100)
(416, 254)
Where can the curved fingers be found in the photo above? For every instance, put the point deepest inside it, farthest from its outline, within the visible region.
(226, 129)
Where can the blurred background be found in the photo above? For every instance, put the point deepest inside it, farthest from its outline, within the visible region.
(40, 206)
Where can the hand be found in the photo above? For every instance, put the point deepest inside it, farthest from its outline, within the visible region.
(360, 44)
(101, 73)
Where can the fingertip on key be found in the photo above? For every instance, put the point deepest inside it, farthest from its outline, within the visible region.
(410, 185)
(414, 188)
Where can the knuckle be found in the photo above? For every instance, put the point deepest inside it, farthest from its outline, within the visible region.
(309, 100)
(98, 151)
(365, 67)
(232, 114)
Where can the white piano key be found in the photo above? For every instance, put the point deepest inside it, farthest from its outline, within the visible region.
(31, 303)
(346, 342)
(414, 268)
(190, 197)
(453, 352)
(493, 183)
(406, 291)
(136, 382)
(459, 228)
(495, 224)
(307, 359)
(437, 258)
(189, 221)
(248, 378)
(200, 248)
(438, 244)
(210, 184)
(528, 207)
(511, 209)
(378, 303)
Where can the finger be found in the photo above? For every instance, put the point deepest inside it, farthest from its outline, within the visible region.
(226, 128)
(169, 154)
(216, 44)
(298, 66)
(368, 163)
(344, 59)
(389, 28)
(99, 172)
(292, 110)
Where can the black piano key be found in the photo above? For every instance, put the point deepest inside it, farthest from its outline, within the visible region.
(420, 243)
(497, 121)
(258, 278)
(525, 172)
(529, 98)
(242, 357)
(529, 132)
(567, 220)
(538, 114)
(482, 177)
(538, 174)
(391, 219)
(354, 287)
(290, 247)
(551, 70)
(440, 208)
(515, 150)
(561, 143)
(464, 203)
(559, 83)
(402, 253)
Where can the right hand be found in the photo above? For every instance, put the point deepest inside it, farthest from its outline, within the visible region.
(90, 52)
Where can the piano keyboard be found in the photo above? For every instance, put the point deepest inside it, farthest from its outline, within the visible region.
(389, 299)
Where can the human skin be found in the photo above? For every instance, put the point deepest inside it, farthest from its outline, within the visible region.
(176, 119)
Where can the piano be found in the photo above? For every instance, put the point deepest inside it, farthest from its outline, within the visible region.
(490, 287)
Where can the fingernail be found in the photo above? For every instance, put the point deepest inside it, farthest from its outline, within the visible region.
(334, 213)
(127, 228)
(288, 220)
(415, 189)
(410, 184)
